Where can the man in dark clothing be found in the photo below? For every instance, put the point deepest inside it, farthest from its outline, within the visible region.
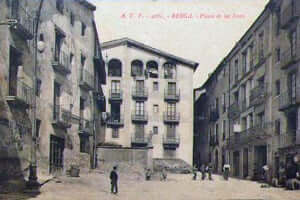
(114, 180)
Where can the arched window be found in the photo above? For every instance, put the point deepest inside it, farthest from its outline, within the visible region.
(115, 68)
(169, 70)
(152, 68)
(137, 68)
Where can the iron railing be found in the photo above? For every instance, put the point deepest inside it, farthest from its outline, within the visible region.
(140, 92)
(115, 94)
(139, 116)
(139, 140)
(22, 92)
(62, 115)
(86, 79)
(287, 139)
(288, 57)
(171, 140)
(85, 125)
(258, 94)
(115, 120)
(172, 94)
(286, 99)
(171, 117)
(291, 12)
(61, 62)
(25, 22)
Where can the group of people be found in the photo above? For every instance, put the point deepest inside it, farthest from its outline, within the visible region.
(287, 176)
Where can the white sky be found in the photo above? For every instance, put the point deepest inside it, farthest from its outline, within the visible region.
(201, 39)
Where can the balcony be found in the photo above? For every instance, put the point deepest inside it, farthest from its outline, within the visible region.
(115, 95)
(288, 58)
(286, 140)
(258, 94)
(288, 101)
(115, 121)
(171, 117)
(138, 141)
(139, 117)
(172, 95)
(20, 95)
(61, 63)
(243, 106)
(85, 127)
(214, 115)
(25, 22)
(86, 80)
(290, 14)
(61, 117)
(140, 93)
(214, 141)
(253, 135)
(234, 110)
(171, 143)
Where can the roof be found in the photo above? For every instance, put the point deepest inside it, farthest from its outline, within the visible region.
(87, 4)
(139, 45)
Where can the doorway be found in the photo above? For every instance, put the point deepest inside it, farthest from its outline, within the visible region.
(57, 146)
(236, 163)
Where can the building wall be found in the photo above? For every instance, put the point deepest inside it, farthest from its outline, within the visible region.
(50, 20)
(184, 129)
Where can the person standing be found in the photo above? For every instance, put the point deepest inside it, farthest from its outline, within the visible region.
(195, 172)
(203, 173)
(114, 180)
(226, 169)
(209, 171)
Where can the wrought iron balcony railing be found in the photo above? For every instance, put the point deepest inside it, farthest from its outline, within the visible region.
(171, 142)
(115, 95)
(61, 117)
(258, 94)
(139, 141)
(25, 22)
(289, 58)
(85, 126)
(140, 93)
(86, 80)
(20, 94)
(139, 116)
(171, 117)
(289, 100)
(115, 120)
(286, 139)
(234, 110)
(61, 62)
(289, 14)
(172, 95)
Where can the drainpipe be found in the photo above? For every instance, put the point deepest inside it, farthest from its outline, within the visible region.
(229, 119)
(32, 179)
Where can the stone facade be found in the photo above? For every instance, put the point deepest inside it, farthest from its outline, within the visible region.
(69, 76)
(258, 114)
(149, 99)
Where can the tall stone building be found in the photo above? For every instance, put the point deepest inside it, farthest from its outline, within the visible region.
(68, 99)
(251, 115)
(150, 99)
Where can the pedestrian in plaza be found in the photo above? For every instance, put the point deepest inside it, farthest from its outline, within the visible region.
(148, 174)
(282, 174)
(114, 180)
(203, 172)
(195, 172)
(163, 174)
(210, 171)
(226, 170)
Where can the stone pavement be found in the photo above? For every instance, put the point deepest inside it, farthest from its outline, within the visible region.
(96, 186)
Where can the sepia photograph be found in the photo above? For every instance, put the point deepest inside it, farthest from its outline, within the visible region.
(149, 99)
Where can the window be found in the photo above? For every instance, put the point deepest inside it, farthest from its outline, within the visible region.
(56, 100)
(152, 68)
(60, 5)
(115, 88)
(37, 127)
(236, 70)
(155, 130)
(169, 70)
(224, 102)
(155, 86)
(81, 108)
(293, 42)
(137, 68)
(261, 45)
(277, 126)
(292, 86)
(244, 62)
(140, 86)
(155, 108)
(115, 68)
(72, 19)
(83, 28)
(277, 84)
(139, 131)
(278, 22)
(171, 88)
(250, 120)
(217, 133)
(139, 108)
(115, 133)
(278, 54)
(59, 37)
(38, 87)
(171, 131)
(84, 144)
(171, 109)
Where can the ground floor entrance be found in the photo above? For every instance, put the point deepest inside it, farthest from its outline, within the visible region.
(236, 163)
(56, 157)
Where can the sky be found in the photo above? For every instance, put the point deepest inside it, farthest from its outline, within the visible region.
(203, 31)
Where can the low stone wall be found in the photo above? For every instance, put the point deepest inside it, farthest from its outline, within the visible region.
(132, 156)
(172, 165)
